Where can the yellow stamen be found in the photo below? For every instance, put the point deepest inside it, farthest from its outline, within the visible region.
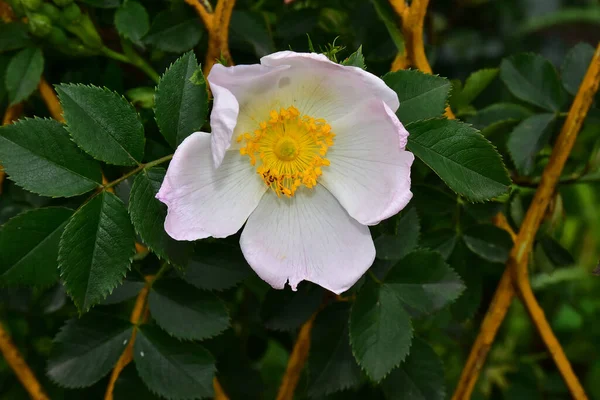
(291, 150)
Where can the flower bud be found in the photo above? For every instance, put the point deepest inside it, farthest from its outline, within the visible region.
(57, 37)
(71, 13)
(39, 25)
(51, 11)
(62, 3)
(32, 4)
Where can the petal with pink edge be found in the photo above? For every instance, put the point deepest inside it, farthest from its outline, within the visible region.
(203, 201)
(307, 237)
(370, 170)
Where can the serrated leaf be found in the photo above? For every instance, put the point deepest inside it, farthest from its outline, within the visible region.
(528, 138)
(380, 330)
(421, 96)
(29, 246)
(132, 21)
(95, 250)
(474, 85)
(557, 254)
(216, 267)
(86, 349)
(181, 102)
(187, 312)
(128, 289)
(285, 310)
(248, 28)
(13, 36)
(424, 282)
(431, 200)
(461, 156)
(331, 365)
(148, 216)
(575, 66)
(39, 156)
(533, 79)
(130, 386)
(497, 113)
(173, 369)
(394, 247)
(356, 59)
(23, 74)
(176, 30)
(420, 377)
(489, 242)
(441, 241)
(103, 123)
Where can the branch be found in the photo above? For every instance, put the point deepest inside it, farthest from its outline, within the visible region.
(16, 362)
(296, 361)
(217, 25)
(51, 100)
(516, 269)
(138, 315)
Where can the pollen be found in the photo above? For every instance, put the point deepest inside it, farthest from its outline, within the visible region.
(288, 150)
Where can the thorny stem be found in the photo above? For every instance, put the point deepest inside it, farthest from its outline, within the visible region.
(136, 170)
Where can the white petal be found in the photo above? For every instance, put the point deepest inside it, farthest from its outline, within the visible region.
(308, 237)
(232, 86)
(352, 84)
(370, 170)
(203, 201)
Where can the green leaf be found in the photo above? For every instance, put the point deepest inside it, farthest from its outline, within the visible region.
(356, 59)
(489, 242)
(424, 282)
(216, 266)
(331, 365)
(148, 216)
(173, 369)
(421, 96)
(86, 349)
(394, 247)
(95, 250)
(474, 85)
(176, 30)
(575, 66)
(465, 160)
(39, 156)
(420, 377)
(249, 29)
(528, 138)
(497, 113)
(13, 36)
(142, 96)
(130, 386)
(186, 312)
(441, 241)
(181, 100)
(285, 310)
(533, 79)
(574, 16)
(132, 21)
(380, 330)
(103, 3)
(557, 254)
(103, 123)
(29, 246)
(128, 289)
(23, 74)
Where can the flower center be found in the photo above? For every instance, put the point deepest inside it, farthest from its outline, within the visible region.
(288, 150)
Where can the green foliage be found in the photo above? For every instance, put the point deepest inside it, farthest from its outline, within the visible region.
(575, 65)
(170, 368)
(395, 247)
(186, 312)
(181, 100)
(175, 30)
(421, 96)
(34, 145)
(489, 242)
(474, 85)
(87, 349)
(29, 246)
(464, 159)
(95, 250)
(528, 138)
(103, 124)
(132, 21)
(23, 74)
